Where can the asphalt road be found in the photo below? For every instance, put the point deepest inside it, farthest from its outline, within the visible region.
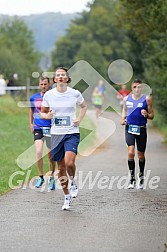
(105, 216)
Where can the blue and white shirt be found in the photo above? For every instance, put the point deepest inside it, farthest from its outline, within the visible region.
(35, 103)
(134, 108)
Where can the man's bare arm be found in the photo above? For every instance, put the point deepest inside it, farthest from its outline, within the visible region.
(149, 113)
(124, 111)
(82, 112)
(46, 113)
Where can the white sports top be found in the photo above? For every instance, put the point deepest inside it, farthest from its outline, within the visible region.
(64, 107)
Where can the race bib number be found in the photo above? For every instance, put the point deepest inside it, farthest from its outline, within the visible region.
(46, 131)
(62, 121)
(134, 129)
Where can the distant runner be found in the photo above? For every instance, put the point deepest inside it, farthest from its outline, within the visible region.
(137, 108)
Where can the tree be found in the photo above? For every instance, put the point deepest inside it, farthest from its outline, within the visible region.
(122, 29)
(68, 46)
(91, 52)
(147, 22)
(10, 63)
(97, 26)
(17, 50)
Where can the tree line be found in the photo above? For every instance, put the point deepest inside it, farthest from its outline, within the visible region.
(135, 31)
(17, 50)
(109, 30)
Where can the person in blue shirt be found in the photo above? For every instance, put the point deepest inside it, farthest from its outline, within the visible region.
(137, 108)
(41, 130)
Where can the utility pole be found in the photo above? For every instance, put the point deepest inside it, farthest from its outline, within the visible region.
(28, 88)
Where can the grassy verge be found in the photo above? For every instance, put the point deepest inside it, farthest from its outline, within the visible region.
(159, 123)
(16, 138)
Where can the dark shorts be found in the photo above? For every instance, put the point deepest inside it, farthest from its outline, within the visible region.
(98, 106)
(62, 143)
(38, 135)
(141, 140)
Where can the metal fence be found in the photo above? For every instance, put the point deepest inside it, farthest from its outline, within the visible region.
(26, 88)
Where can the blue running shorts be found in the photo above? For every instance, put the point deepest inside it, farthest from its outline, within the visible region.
(62, 143)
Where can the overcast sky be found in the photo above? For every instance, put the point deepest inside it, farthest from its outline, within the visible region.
(27, 7)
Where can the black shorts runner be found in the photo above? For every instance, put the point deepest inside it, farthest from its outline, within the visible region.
(98, 106)
(140, 140)
(38, 135)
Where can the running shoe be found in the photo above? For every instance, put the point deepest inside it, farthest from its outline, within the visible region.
(39, 182)
(73, 189)
(140, 181)
(67, 202)
(51, 185)
(132, 183)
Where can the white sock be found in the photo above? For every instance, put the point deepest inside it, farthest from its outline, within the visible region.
(67, 196)
(72, 181)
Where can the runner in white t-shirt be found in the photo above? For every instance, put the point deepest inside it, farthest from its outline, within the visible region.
(59, 104)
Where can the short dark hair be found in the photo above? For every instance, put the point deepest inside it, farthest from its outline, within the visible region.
(137, 81)
(44, 78)
(66, 70)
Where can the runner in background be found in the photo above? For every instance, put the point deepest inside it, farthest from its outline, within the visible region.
(41, 130)
(97, 101)
(137, 108)
(122, 93)
(101, 87)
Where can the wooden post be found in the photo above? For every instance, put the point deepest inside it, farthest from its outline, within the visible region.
(28, 88)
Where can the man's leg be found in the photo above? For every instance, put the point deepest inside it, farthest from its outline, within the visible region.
(131, 162)
(70, 163)
(131, 165)
(39, 150)
(71, 168)
(62, 175)
(51, 162)
(39, 159)
(141, 141)
(51, 181)
(141, 157)
(130, 141)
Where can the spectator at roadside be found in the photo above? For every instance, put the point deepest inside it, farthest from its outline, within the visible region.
(12, 83)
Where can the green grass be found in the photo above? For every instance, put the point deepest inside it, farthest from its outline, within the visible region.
(16, 137)
(160, 124)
